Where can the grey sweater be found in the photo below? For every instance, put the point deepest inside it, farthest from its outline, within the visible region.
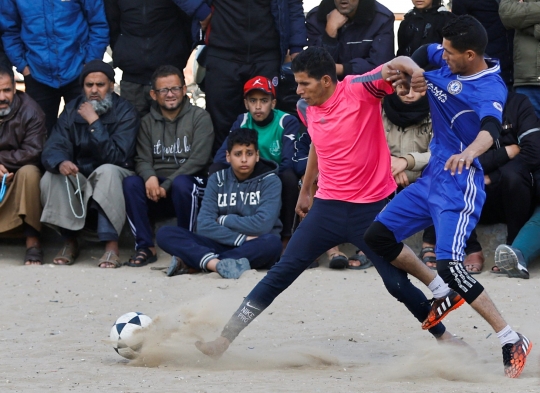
(232, 210)
(169, 148)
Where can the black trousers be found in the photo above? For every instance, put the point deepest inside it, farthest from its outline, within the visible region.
(509, 198)
(224, 88)
(49, 97)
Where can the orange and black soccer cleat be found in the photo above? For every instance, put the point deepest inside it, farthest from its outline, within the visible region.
(441, 307)
(515, 356)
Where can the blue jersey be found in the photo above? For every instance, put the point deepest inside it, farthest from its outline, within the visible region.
(459, 103)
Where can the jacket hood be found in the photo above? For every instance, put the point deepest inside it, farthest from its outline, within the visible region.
(156, 112)
(364, 14)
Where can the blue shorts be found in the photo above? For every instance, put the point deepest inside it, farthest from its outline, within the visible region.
(452, 203)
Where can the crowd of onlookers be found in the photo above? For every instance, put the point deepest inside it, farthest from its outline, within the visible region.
(229, 173)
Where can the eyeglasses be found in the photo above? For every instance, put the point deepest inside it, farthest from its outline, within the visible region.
(175, 90)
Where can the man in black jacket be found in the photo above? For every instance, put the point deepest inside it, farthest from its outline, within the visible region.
(508, 166)
(359, 34)
(144, 35)
(89, 153)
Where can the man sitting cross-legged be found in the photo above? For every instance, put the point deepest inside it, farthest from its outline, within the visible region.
(173, 151)
(238, 226)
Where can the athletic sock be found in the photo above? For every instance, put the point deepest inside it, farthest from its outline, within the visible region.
(438, 287)
(507, 336)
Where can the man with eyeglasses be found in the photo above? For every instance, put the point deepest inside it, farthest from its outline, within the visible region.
(173, 154)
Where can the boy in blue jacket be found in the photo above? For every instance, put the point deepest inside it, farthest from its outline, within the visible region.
(238, 225)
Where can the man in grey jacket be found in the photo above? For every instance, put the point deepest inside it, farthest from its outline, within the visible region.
(238, 227)
(173, 153)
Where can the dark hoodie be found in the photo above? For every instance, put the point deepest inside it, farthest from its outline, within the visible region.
(362, 44)
(232, 210)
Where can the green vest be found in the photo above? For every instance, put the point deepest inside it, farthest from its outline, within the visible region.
(270, 136)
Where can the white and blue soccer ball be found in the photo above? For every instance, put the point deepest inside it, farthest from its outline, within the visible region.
(126, 333)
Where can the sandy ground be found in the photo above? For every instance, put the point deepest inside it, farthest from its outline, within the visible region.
(331, 331)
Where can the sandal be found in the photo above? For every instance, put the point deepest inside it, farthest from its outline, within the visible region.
(142, 257)
(428, 259)
(69, 253)
(33, 254)
(338, 261)
(110, 257)
(362, 258)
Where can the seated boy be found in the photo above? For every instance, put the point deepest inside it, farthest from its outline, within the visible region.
(238, 225)
(277, 133)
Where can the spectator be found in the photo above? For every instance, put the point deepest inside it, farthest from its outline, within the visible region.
(524, 17)
(277, 132)
(500, 41)
(144, 35)
(22, 133)
(508, 166)
(422, 25)
(238, 226)
(49, 42)
(173, 153)
(359, 34)
(244, 39)
(90, 150)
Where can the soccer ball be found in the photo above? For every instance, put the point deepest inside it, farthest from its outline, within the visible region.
(126, 334)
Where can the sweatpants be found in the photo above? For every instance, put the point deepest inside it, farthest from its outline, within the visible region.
(182, 201)
(328, 223)
(196, 250)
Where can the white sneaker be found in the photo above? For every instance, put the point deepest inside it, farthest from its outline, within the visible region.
(511, 261)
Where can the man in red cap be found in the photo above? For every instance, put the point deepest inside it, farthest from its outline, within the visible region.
(277, 132)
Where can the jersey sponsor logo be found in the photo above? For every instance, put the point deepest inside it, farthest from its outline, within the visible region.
(454, 87)
(275, 149)
(246, 315)
(440, 46)
(498, 106)
(438, 93)
(247, 198)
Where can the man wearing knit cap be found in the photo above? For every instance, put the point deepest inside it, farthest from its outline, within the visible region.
(88, 154)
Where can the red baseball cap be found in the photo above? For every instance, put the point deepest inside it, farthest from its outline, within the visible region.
(260, 83)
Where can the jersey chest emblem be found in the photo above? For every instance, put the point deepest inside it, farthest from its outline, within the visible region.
(454, 87)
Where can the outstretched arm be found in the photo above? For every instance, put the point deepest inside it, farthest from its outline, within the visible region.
(403, 70)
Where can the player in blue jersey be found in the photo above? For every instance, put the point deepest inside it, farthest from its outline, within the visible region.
(466, 98)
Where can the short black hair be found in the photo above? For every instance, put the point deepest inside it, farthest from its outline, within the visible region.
(316, 62)
(167, 70)
(4, 70)
(242, 136)
(466, 33)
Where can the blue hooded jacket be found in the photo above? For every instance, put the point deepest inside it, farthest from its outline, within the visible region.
(55, 38)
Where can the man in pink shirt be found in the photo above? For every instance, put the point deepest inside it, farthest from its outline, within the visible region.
(351, 157)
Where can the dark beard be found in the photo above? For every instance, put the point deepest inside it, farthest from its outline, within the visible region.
(103, 105)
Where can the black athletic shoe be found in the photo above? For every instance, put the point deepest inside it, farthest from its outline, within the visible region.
(515, 356)
(441, 307)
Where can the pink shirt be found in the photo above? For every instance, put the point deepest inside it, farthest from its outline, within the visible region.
(348, 134)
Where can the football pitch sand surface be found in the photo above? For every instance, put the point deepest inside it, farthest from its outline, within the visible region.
(331, 331)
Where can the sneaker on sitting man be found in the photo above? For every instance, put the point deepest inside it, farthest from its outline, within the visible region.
(511, 261)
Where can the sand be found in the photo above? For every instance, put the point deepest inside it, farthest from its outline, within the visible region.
(331, 331)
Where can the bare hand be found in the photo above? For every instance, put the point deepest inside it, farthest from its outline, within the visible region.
(398, 78)
(399, 164)
(68, 168)
(418, 82)
(4, 171)
(334, 22)
(153, 190)
(303, 204)
(248, 238)
(26, 71)
(87, 112)
(512, 150)
(204, 23)
(457, 161)
(487, 180)
(402, 179)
